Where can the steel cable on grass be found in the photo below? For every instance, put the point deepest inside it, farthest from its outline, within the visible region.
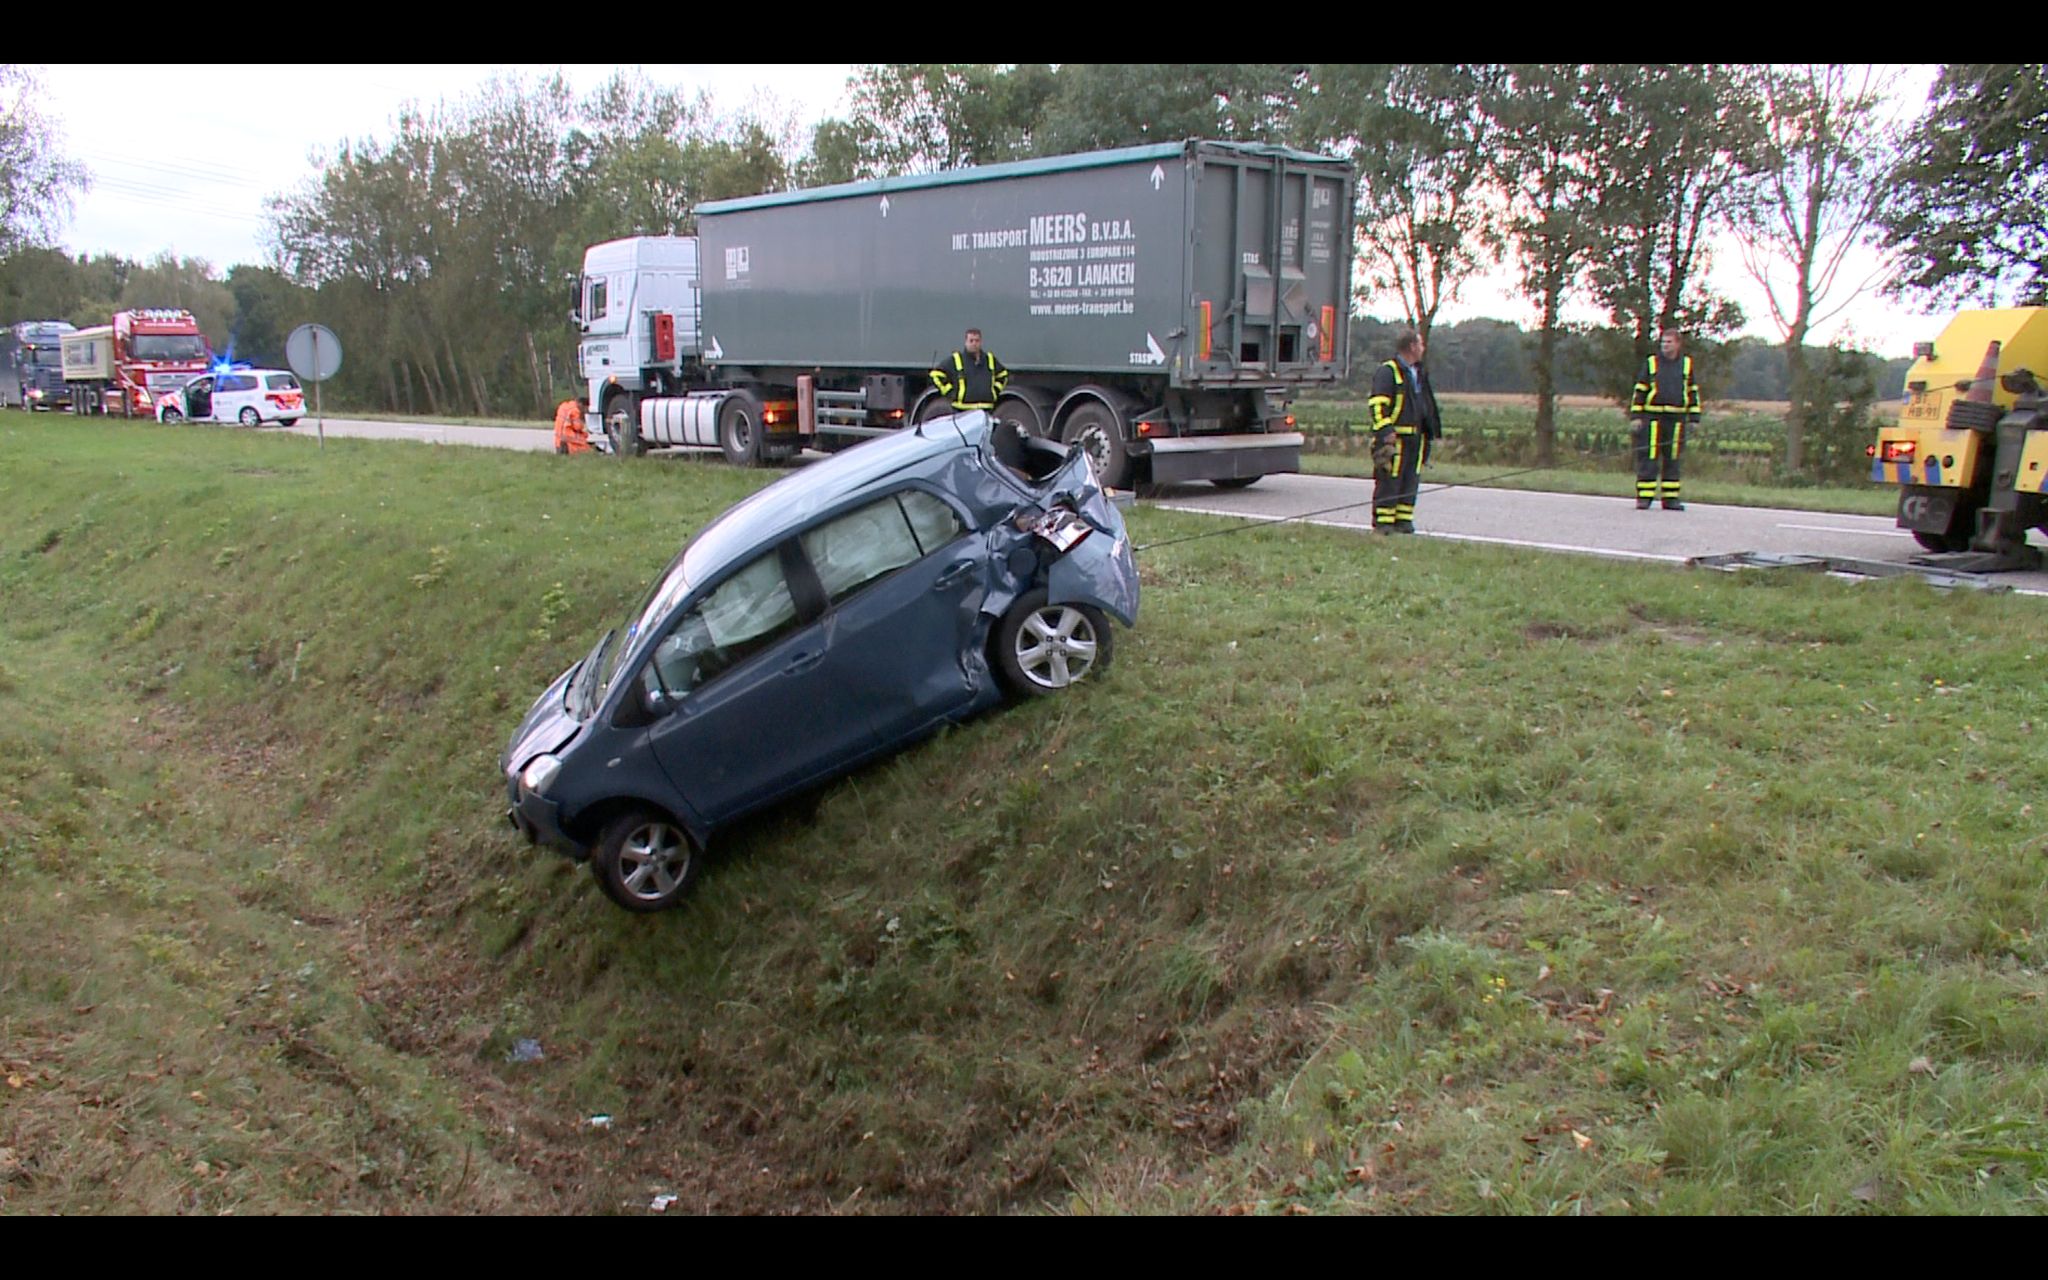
(1267, 522)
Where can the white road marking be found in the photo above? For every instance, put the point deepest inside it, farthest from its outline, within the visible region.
(1868, 533)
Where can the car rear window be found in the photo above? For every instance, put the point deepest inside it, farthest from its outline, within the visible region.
(280, 382)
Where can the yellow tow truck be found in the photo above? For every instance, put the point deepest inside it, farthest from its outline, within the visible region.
(1970, 450)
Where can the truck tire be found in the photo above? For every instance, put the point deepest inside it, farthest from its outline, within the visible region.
(1942, 541)
(1236, 482)
(1093, 426)
(1022, 414)
(622, 426)
(739, 429)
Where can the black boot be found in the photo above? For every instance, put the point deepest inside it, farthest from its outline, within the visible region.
(1642, 504)
(1673, 504)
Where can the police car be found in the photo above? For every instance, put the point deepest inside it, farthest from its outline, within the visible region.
(251, 397)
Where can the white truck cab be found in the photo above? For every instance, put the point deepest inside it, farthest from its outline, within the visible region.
(625, 284)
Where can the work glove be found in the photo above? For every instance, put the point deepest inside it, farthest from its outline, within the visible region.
(1383, 450)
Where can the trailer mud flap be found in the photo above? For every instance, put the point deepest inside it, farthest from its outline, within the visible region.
(1239, 457)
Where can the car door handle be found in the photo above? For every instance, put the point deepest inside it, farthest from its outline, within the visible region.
(952, 576)
(802, 662)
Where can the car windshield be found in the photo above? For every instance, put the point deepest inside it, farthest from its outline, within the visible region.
(167, 346)
(603, 664)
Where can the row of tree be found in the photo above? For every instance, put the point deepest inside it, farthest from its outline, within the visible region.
(443, 252)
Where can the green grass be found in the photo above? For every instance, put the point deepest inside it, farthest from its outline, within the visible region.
(1374, 878)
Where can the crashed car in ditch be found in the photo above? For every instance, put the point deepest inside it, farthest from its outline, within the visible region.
(835, 617)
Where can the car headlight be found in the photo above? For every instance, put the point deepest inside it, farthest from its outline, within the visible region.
(539, 772)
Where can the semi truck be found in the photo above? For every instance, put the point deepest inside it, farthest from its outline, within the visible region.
(123, 366)
(1160, 306)
(32, 365)
(1969, 452)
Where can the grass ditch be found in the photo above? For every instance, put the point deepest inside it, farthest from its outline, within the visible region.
(1411, 877)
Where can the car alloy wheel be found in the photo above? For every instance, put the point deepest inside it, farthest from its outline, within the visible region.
(645, 861)
(1042, 648)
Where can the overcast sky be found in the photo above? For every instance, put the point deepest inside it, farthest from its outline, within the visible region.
(189, 171)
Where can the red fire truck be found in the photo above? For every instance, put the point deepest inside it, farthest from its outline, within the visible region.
(124, 366)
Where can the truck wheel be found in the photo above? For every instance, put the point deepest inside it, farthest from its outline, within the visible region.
(739, 429)
(622, 427)
(1942, 541)
(1093, 427)
(1018, 412)
(644, 861)
(1042, 648)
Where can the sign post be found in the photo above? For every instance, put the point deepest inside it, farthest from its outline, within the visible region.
(314, 353)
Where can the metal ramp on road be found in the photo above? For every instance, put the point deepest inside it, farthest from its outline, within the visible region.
(1847, 567)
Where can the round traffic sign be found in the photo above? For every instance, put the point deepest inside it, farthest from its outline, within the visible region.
(313, 352)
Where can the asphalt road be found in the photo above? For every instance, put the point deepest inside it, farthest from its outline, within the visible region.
(1561, 522)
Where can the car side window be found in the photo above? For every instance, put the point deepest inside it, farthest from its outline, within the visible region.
(876, 540)
(934, 523)
(745, 614)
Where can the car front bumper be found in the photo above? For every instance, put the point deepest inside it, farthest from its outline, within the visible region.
(539, 819)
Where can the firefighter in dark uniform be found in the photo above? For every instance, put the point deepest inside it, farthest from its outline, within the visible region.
(1404, 422)
(1666, 400)
(974, 379)
(971, 378)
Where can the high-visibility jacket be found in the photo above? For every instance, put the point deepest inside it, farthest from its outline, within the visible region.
(1405, 406)
(1666, 390)
(570, 435)
(971, 382)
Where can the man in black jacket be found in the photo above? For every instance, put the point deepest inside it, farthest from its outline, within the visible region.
(971, 378)
(1404, 422)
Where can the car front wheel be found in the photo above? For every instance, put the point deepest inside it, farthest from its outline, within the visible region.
(1042, 648)
(645, 862)
(173, 417)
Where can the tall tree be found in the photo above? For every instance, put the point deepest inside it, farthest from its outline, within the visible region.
(1972, 212)
(1094, 106)
(37, 181)
(1548, 163)
(1421, 137)
(921, 117)
(1678, 138)
(1808, 222)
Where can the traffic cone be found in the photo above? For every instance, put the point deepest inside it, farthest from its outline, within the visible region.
(1987, 376)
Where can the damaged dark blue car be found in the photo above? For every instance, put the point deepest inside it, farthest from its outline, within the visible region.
(835, 617)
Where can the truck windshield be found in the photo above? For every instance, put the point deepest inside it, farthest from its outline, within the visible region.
(167, 346)
(47, 357)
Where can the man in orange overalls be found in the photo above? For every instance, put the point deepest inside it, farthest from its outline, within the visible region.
(570, 437)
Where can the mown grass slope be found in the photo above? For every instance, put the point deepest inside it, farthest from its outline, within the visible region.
(1378, 875)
